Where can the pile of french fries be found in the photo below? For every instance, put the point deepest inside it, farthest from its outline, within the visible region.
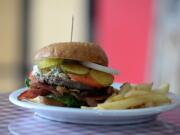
(136, 96)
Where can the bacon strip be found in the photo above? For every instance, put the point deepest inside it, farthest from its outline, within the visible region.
(32, 93)
(26, 95)
(37, 89)
(41, 89)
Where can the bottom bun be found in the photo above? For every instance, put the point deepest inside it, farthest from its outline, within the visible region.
(46, 101)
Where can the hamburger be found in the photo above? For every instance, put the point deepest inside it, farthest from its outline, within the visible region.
(70, 74)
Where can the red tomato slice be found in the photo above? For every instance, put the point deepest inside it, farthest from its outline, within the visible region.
(85, 80)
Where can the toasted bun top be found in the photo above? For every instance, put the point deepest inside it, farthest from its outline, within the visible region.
(75, 51)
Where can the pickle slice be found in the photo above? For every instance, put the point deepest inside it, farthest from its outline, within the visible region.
(102, 78)
(49, 62)
(74, 68)
(45, 70)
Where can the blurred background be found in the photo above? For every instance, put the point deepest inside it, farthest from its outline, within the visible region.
(140, 37)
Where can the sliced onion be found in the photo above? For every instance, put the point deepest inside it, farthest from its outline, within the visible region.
(100, 68)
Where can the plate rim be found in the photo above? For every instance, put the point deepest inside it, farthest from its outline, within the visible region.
(126, 112)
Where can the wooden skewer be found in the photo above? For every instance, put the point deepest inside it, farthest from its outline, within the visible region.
(72, 28)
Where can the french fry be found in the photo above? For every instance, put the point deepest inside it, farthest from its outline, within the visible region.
(149, 104)
(149, 99)
(157, 99)
(164, 88)
(135, 92)
(109, 99)
(145, 86)
(122, 104)
(135, 96)
(124, 89)
(132, 92)
(115, 98)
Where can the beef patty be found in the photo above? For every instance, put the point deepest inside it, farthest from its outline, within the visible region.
(64, 80)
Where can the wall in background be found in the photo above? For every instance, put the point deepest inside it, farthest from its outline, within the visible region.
(166, 59)
(51, 22)
(123, 29)
(10, 42)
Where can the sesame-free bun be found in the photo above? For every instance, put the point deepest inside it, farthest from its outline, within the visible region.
(81, 51)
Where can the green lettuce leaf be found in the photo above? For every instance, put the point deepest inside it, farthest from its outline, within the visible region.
(67, 100)
(27, 80)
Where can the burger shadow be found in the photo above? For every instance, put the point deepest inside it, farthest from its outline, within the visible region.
(36, 125)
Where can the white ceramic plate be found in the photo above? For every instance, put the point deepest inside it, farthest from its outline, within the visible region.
(85, 116)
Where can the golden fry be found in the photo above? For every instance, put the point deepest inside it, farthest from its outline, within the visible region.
(164, 88)
(114, 98)
(122, 104)
(149, 99)
(145, 86)
(158, 99)
(135, 92)
(124, 89)
(136, 96)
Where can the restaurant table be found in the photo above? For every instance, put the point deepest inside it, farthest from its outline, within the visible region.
(21, 121)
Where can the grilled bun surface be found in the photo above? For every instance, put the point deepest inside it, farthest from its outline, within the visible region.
(81, 51)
